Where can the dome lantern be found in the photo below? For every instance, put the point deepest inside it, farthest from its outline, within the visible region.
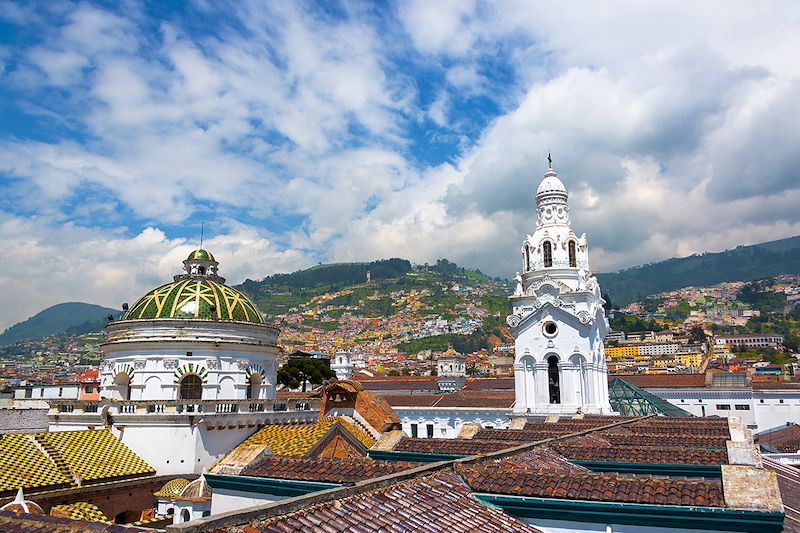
(201, 263)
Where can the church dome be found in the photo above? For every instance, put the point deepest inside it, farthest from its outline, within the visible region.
(199, 294)
(550, 184)
(21, 505)
(202, 255)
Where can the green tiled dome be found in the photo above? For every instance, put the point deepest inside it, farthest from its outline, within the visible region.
(202, 255)
(192, 297)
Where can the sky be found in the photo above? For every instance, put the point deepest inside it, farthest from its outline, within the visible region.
(307, 132)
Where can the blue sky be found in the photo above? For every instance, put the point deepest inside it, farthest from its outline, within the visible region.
(305, 132)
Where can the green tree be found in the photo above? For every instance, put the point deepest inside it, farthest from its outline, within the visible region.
(303, 371)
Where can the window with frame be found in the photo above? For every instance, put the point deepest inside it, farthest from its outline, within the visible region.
(547, 254)
(429, 430)
(414, 431)
(723, 407)
(742, 407)
(573, 260)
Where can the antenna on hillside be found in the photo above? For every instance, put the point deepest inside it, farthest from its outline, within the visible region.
(202, 228)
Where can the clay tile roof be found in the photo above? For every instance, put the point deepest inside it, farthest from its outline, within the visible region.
(80, 511)
(452, 446)
(593, 486)
(786, 439)
(26, 523)
(171, 488)
(541, 460)
(196, 491)
(506, 384)
(413, 400)
(344, 471)
(400, 383)
(789, 487)
(663, 381)
(637, 454)
(439, 504)
(620, 438)
(93, 456)
(22, 464)
(295, 440)
(480, 399)
(780, 385)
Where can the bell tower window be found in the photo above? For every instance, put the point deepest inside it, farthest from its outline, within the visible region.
(526, 258)
(547, 254)
(554, 386)
(573, 261)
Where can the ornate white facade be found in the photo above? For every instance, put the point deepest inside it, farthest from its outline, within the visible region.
(558, 320)
(192, 339)
(342, 365)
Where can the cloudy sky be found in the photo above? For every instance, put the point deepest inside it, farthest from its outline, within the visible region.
(316, 132)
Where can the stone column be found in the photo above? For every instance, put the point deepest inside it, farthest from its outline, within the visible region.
(542, 388)
(567, 375)
(520, 383)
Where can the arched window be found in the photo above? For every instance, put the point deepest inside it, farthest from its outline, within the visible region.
(552, 379)
(191, 387)
(253, 384)
(573, 261)
(547, 254)
(123, 383)
(185, 517)
(526, 258)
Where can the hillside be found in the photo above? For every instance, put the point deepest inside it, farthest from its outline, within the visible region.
(71, 318)
(406, 308)
(744, 263)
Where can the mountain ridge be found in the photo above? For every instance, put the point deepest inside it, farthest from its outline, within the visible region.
(70, 318)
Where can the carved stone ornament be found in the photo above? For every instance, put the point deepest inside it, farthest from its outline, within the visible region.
(584, 317)
(139, 364)
(513, 320)
(170, 363)
(551, 344)
(243, 365)
(212, 364)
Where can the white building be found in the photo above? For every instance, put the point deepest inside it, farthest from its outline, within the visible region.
(343, 365)
(188, 373)
(558, 320)
(451, 369)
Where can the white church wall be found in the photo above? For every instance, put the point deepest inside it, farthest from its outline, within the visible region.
(447, 423)
(224, 500)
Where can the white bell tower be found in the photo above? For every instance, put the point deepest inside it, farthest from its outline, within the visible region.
(558, 320)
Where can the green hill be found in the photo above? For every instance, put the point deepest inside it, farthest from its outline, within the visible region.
(744, 263)
(71, 318)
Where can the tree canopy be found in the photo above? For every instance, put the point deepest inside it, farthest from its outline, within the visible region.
(297, 372)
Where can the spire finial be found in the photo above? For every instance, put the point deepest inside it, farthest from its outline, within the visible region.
(549, 161)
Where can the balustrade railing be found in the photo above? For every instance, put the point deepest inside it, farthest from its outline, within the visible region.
(200, 407)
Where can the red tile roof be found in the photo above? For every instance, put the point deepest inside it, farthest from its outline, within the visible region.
(775, 385)
(635, 454)
(343, 471)
(789, 487)
(541, 459)
(400, 383)
(593, 486)
(412, 400)
(506, 384)
(630, 439)
(452, 446)
(663, 381)
(438, 504)
(785, 439)
(464, 398)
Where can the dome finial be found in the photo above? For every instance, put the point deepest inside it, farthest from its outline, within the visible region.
(549, 161)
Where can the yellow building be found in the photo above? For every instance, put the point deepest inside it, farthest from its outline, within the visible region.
(621, 352)
(689, 359)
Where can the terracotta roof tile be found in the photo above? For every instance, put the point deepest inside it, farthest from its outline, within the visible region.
(295, 440)
(541, 460)
(786, 439)
(489, 384)
(437, 504)
(593, 486)
(620, 438)
(413, 400)
(789, 486)
(343, 471)
(663, 381)
(452, 446)
(637, 454)
(26, 523)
